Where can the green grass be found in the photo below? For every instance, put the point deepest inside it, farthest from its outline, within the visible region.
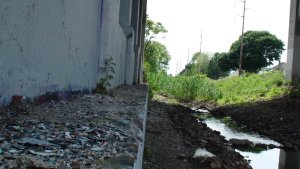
(251, 88)
(235, 90)
(184, 89)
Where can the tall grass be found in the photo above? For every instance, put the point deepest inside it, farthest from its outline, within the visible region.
(233, 90)
(184, 88)
(252, 87)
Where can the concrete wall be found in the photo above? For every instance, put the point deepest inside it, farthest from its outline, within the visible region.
(293, 58)
(59, 45)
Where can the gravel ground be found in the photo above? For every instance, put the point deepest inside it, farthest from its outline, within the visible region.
(90, 131)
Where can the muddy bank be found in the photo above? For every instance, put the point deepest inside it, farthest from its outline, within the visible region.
(278, 119)
(173, 135)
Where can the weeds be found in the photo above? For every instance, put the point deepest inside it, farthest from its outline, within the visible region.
(235, 90)
(251, 88)
(184, 89)
(108, 68)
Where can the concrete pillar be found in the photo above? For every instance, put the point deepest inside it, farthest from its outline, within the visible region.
(289, 159)
(142, 43)
(293, 58)
(129, 62)
(135, 26)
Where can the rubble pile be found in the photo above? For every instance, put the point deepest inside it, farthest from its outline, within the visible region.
(91, 131)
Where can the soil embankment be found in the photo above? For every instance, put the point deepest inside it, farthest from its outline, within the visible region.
(278, 119)
(173, 135)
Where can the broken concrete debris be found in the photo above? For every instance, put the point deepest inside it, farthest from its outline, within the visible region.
(91, 131)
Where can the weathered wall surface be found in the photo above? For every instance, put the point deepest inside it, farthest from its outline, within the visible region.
(293, 52)
(48, 46)
(113, 41)
(59, 45)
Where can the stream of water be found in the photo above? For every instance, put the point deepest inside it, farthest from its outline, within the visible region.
(263, 158)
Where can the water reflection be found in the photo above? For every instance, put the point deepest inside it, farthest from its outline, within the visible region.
(228, 133)
(266, 159)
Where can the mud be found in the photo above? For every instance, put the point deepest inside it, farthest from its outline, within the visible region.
(278, 119)
(173, 135)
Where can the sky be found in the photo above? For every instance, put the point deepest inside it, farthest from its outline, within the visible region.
(220, 22)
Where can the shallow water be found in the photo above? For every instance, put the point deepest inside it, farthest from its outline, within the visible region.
(229, 133)
(263, 159)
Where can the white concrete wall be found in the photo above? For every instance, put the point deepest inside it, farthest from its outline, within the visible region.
(59, 45)
(48, 46)
(113, 41)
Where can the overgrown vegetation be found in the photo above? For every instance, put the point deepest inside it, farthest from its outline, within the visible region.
(107, 69)
(183, 88)
(233, 90)
(192, 84)
(294, 88)
(252, 87)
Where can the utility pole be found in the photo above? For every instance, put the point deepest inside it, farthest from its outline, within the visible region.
(242, 40)
(200, 52)
(176, 67)
(179, 64)
(187, 65)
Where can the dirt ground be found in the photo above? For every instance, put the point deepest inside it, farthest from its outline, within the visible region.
(173, 134)
(278, 119)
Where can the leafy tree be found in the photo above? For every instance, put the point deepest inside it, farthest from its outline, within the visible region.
(193, 65)
(261, 48)
(213, 69)
(156, 56)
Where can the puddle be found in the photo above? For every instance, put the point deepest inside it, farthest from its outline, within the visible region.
(273, 158)
(260, 158)
(229, 133)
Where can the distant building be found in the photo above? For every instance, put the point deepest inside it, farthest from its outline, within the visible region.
(280, 67)
(234, 73)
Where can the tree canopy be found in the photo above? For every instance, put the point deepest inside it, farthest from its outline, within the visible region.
(156, 56)
(193, 65)
(260, 49)
(213, 69)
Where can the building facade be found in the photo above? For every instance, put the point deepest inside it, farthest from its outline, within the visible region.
(54, 48)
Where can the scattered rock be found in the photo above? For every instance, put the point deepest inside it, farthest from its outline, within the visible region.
(215, 164)
(240, 143)
(82, 132)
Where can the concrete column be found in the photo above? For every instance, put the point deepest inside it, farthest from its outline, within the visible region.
(135, 26)
(289, 159)
(142, 44)
(293, 58)
(125, 12)
(129, 62)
